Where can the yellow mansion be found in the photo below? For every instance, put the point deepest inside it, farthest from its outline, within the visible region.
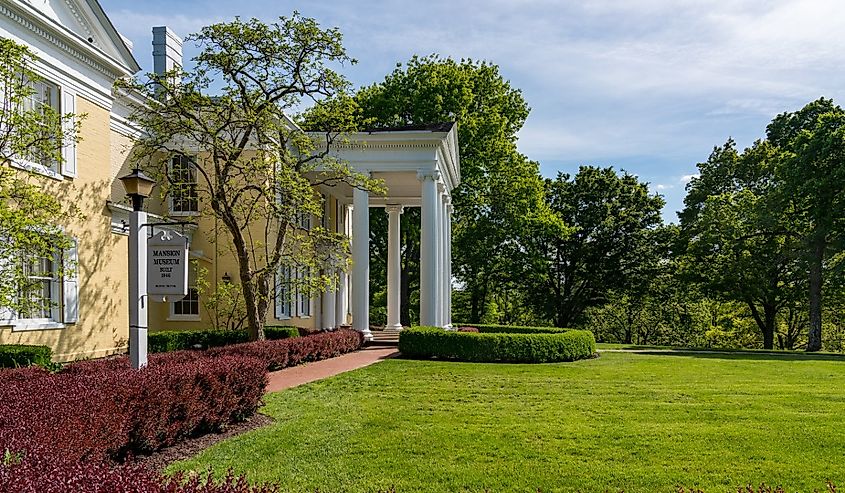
(80, 55)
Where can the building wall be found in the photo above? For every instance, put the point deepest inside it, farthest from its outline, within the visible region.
(103, 323)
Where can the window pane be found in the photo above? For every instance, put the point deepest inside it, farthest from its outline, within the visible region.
(183, 183)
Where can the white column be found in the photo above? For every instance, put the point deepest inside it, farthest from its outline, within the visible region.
(327, 310)
(446, 278)
(449, 263)
(394, 267)
(361, 263)
(138, 298)
(341, 304)
(429, 241)
(441, 254)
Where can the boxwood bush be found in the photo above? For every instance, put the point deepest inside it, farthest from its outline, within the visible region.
(513, 329)
(176, 340)
(17, 355)
(534, 347)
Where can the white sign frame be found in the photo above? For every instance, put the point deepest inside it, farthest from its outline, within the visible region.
(167, 266)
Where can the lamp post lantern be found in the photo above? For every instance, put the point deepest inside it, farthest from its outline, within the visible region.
(138, 187)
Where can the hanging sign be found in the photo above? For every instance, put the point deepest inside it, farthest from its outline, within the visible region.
(167, 266)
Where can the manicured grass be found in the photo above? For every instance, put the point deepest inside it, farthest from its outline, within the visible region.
(632, 421)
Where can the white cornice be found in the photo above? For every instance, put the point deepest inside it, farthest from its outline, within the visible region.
(63, 39)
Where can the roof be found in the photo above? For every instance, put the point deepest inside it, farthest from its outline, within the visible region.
(429, 127)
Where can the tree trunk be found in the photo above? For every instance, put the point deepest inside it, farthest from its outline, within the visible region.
(814, 338)
(254, 317)
(766, 323)
(474, 306)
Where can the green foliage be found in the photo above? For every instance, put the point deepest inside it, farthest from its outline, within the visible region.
(613, 235)
(501, 190)
(31, 217)
(257, 171)
(18, 355)
(176, 340)
(526, 347)
(514, 329)
(810, 172)
(275, 332)
(738, 243)
(224, 301)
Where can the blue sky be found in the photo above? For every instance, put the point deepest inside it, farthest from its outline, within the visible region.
(645, 85)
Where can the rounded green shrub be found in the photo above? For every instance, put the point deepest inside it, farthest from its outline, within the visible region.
(531, 347)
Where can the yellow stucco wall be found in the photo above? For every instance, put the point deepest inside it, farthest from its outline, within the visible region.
(103, 323)
(102, 329)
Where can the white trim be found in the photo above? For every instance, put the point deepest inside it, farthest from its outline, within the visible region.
(32, 324)
(36, 168)
(182, 318)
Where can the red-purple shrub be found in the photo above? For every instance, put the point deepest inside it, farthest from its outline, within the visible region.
(467, 329)
(116, 412)
(70, 431)
(283, 353)
(57, 475)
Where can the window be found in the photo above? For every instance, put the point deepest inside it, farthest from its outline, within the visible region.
(284, 294)
(45, 97)
(39, 296)
(183, 185)
(47, 292)
(304, 220)
(304, 300)
(188, 307)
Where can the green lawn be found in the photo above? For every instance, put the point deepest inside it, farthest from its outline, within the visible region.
(632, 421)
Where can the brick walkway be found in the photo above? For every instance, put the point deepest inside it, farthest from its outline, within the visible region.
(298, 375)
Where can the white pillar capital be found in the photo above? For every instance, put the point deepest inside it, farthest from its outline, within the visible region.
(423, 175)
(394, 208)
(441, 187)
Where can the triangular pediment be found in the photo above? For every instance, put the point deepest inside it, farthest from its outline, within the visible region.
(86, 21)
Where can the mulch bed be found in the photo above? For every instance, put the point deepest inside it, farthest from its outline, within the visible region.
(159, 460)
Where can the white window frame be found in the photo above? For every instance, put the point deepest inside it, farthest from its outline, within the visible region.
(284, 300)
(185, 317)
(303, 301)
(57, 305)
(170, 199)
(54, 171)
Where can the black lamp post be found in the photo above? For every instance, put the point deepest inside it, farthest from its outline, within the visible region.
(138, 186)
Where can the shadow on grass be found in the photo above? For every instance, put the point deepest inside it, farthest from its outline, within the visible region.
(744, 355)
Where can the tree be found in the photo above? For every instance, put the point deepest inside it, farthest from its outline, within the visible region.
(738, 244)
(812, 171)
(32, 135)
(500, 191)
(257, 170)
(608, 238)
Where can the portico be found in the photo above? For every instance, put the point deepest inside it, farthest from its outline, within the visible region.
(419, 166)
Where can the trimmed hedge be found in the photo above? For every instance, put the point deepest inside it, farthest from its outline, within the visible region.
(434, 342)
(18, 355)
(514, 329)
(176, 340)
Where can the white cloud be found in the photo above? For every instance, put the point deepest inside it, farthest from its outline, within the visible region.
(663, 186)
(609, 81)
(687, 178)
